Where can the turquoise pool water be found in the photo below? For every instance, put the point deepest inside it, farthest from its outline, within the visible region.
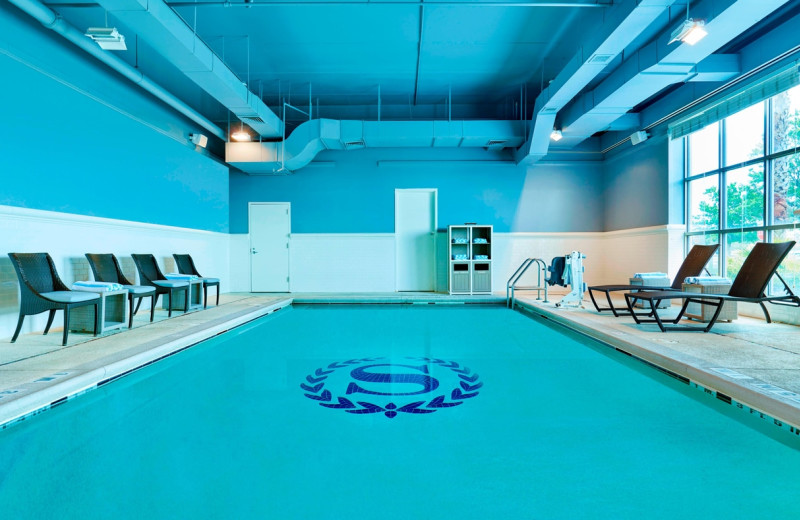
(545, 425)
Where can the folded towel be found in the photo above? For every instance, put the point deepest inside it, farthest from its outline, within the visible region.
(179, 276)
(85, 285)
(707, 280)
(459, 257)
(649, 275)
(480, 241)
(460, 241)
(481, 257)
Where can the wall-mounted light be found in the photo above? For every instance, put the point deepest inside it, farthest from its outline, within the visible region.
(690, 31)
(199, 140)
(556, 135)
(639, 137)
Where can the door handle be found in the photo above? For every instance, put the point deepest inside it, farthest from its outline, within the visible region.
(253, 250)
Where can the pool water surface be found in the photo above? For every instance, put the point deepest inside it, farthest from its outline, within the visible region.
(394, 412)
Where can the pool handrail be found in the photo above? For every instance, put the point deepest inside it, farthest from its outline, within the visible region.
(541, 283)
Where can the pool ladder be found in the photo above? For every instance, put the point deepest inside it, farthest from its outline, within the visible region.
(541, 283)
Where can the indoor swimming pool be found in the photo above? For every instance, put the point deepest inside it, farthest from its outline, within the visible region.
(395, 412)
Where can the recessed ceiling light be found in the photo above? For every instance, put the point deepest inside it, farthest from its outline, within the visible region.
(556, 135)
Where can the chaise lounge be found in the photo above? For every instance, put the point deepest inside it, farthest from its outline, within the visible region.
(749, 286)
(42, 290)
(692, 265)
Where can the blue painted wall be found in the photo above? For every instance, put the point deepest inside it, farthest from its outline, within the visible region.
(636, 185)
(353, 192)
(77, 138)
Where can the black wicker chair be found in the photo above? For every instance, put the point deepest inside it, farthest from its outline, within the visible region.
(186, 266)
(42, 290)
(151, 275)
(750, 285)
(106, 269)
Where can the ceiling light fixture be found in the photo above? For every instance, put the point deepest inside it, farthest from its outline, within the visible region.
(556, 135)
(199, 140)
(108, 38)
(240, 135)
(690, 31)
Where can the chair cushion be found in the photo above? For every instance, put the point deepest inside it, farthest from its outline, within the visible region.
(70, 296)
(210, 281)
(170, 283)
(139, 290)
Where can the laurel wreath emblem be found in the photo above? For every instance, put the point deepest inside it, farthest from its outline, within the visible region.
(314, 387)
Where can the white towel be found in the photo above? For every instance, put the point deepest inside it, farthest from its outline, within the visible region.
(85, 285)
(707, 280)
(179, 276)
(649, 275)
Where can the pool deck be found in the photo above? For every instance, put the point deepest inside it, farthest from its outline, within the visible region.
(756, 364)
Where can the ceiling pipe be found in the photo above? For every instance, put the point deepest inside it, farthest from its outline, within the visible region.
(317, 135)
(55, 23)
(622, 24)
(659, 65)
(155, 22)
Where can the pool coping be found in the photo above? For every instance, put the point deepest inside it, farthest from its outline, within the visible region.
(40, 395)
(781, 410)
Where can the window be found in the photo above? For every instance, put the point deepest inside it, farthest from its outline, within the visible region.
(743, 183)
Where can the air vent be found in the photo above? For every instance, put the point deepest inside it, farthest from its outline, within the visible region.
(600, 59)
(495, 144)
(254, 119)
(353, 144)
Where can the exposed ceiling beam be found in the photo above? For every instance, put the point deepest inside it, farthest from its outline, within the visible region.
(659, 65)
(622, 24)
(155, 22)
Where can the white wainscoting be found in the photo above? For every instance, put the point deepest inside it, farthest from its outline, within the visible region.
(67, 237)
(342, 262)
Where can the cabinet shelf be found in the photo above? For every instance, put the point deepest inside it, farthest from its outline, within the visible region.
(468, 274)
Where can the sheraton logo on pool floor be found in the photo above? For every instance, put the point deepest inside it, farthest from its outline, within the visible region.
(414, 385)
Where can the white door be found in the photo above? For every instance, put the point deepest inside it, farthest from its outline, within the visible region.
(415, 239)
(270, 227)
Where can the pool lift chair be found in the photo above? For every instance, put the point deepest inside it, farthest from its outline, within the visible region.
(694, 264)
(42, 290)
(749, 286)
(106, 269)
(151, 275)
(186, 266)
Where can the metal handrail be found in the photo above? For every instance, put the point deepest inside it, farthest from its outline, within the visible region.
(511, 285)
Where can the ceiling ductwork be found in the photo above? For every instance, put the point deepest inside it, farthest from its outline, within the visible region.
(317, 135)
(156, 23)
(622, 25)
(658, 65)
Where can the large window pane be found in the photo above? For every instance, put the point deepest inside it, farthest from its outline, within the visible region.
(744, 135)
(704, 150)
(704, 203)
(744, 191)
(790, 267)
(786, 120)
(713, 265)
(738, 246)
(786, 189)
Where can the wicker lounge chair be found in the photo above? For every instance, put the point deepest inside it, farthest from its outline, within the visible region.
(748, 286)
(106, 269)
(150, 274)
(186, 266)
(692, 265)
(42, 290)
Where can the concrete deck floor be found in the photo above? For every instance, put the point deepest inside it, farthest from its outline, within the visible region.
(754, 363)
